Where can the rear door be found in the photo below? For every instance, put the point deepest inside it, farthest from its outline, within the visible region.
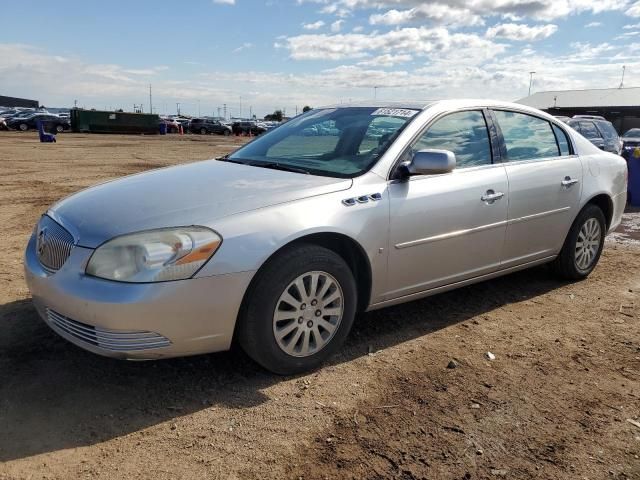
(545, 179)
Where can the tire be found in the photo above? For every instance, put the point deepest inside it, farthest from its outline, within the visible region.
(226, 132)
(23, 127)
(575, 262)
(203, 131)
(59, 128)
(310, 340)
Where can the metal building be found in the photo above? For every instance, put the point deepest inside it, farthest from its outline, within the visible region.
(621, 106)
(18, 102)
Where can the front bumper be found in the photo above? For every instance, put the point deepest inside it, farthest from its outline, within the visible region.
(127, 320)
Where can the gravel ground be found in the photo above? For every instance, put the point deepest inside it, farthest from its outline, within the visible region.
(555, 403)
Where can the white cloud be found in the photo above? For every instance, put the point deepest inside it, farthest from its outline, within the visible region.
(521, 32)
(244, 46)
(313, 26)
(225, 2)
(358, 29)
(632, 27)
(386, 60)
(337, 26)
(416, 41)
(634, 11)
(593, 25)
(403, 11)
(429, 12)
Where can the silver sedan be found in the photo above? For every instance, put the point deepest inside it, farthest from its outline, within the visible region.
(343, 209)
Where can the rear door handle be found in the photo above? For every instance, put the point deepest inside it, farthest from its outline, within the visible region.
(568, 182)
(491, 196)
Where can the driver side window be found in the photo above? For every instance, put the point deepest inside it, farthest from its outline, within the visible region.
(463, 133)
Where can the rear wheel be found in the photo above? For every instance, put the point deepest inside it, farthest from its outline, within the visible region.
(583, 245)
(59, 128)
(24, 127)
(226, 132)
(299, 310)
(203, 131)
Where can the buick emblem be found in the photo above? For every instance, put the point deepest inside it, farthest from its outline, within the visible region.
(41, 241)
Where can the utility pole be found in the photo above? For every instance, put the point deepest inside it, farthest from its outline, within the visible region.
(530, 81)
(624, 67)
(75, 104)
(375, 93)
(178, 108)
(250, 111)
(225, 110)
(150, 100)
(218, 112)
(240, 107)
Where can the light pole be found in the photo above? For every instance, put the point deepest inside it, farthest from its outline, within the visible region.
(240, 107)
(150, 101)
(624, 67)
(530, 81)
(375, 93)
(178, 108)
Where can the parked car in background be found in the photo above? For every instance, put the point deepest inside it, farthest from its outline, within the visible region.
(172, 125)
(562, 118)
(279, 244)
(631, 142)
(590, 117)
(51, 122)
(247, 128)
(599, 132)
(208, 125)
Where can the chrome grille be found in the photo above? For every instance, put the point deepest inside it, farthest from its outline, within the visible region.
(53, 244)
(114, 340)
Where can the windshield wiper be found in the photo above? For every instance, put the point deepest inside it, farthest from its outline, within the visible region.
(232, 160)
(280, 166)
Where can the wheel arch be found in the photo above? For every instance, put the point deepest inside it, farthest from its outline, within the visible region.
(344, 246)
(604, 202)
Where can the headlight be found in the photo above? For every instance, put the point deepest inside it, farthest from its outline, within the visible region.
(155, 255)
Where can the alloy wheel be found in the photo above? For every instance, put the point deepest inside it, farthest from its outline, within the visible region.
(588, 244)
(308, 314)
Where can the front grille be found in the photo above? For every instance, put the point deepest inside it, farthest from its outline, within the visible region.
(53, 244)
(114, 340)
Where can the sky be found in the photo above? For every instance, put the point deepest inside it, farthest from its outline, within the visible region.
(258, 56)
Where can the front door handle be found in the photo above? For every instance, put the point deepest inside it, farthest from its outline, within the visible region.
(568, 182)
(491, 196)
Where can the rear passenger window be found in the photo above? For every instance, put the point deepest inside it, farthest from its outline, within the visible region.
(589, 130)
(463, 133)
(526, 137)
(563, 141)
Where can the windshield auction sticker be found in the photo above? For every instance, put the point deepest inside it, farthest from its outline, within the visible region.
(395, 112)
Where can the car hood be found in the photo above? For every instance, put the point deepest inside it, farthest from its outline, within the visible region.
(194, 194)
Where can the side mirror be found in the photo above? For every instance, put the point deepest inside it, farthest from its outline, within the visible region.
(431, 161)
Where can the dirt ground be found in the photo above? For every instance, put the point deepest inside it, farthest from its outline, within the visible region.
(553, 404)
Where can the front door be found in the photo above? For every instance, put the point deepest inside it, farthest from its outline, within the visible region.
(449, 227)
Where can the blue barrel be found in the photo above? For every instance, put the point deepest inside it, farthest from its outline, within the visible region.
(163, 128)
(633, 163)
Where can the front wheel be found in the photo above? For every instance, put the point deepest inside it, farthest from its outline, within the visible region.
(59, 128)
(24, 127)
(203, 131)
(583, 245)
(226, 133)
(298, 310)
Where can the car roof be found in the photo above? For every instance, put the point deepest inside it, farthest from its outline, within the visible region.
(449, 104)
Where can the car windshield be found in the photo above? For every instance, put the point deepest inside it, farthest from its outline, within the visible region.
(633, 133)
(335, 142)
